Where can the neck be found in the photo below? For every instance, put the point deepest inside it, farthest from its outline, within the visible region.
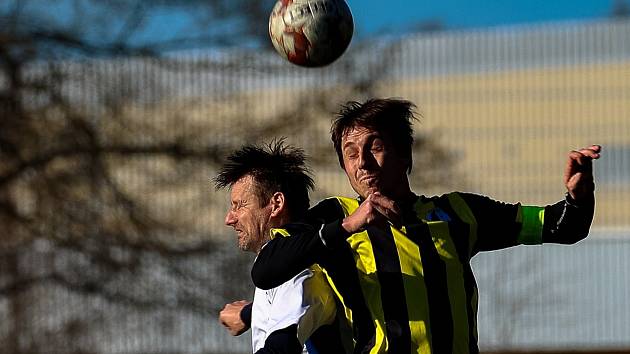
(404, 200)
(263, 241)
(281, 219)
(274, 222)
(401, 194)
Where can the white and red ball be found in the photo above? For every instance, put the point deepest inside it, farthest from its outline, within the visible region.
(311, 33)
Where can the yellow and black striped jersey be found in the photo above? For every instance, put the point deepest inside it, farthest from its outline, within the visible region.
(410, 289)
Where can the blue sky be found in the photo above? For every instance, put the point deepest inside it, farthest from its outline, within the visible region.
(371, 17)
(396, 16)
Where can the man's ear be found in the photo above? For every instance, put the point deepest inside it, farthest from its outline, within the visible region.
(277, 203)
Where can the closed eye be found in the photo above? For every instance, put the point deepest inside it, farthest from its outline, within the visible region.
(351, 153)
(238, 205)
(377, 145)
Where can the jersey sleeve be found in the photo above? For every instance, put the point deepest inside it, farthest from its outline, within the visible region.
(282, 341)
(568, 221)
(246, 315)
(299, 246)
(306, 302)
(499, 225)
(284, 256)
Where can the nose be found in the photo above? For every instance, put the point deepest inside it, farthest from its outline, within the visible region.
(364, 158)
(230, 219)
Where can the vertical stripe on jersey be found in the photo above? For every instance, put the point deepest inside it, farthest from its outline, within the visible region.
(362, 296)
(440, 315)
(461, 230)
(462, 285)
(415, 291)
(393, 299)
(464, 213)
(447, 251)
(344, 278)
(370, 287)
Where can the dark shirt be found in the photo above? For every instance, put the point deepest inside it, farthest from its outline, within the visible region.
(411, 288)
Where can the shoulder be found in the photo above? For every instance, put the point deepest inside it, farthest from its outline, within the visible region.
(299, 281)
(292, 229)
(449, 196)
(463, 204)
(309, 285)
(471, 200)
(331, 209)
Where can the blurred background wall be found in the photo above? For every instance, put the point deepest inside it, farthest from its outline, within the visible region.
(111, 233)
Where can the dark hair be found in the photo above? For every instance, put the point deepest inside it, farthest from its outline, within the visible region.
(275, 167)
(387, 115)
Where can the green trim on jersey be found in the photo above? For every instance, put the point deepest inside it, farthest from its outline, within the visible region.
(532, 219)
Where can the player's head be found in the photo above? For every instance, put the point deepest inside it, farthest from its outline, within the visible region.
(269, 187)
(373, 142)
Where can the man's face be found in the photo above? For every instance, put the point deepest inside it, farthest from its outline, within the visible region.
(371, 162)
(249, 219)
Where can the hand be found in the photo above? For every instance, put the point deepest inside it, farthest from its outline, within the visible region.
(578, 173)
(376, 208)
(230, 317)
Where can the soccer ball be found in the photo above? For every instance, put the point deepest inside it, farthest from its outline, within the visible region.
(311, 33)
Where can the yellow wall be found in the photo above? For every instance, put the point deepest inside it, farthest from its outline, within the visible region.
(512, 129)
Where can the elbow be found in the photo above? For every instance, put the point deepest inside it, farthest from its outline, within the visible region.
(580, 235)
(569, 237)
(582, 230)
(575, 238)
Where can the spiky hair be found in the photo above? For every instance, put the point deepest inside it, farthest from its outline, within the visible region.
(275, 167)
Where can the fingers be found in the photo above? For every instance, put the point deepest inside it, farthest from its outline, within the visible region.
(240, 303)
(386, 207)
(389, 209)
(578, 175)
(584, 156)
(595, 148)
(230, 310)
(592, 153)
(376, 208)
(223, 318)
(230, 317)
(384, 203)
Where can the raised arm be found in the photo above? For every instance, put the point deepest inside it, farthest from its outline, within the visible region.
(303, 245)
(500, 225)
(292, 250)
(573, 217)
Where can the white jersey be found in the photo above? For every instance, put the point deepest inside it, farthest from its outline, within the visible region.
(306, 301)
